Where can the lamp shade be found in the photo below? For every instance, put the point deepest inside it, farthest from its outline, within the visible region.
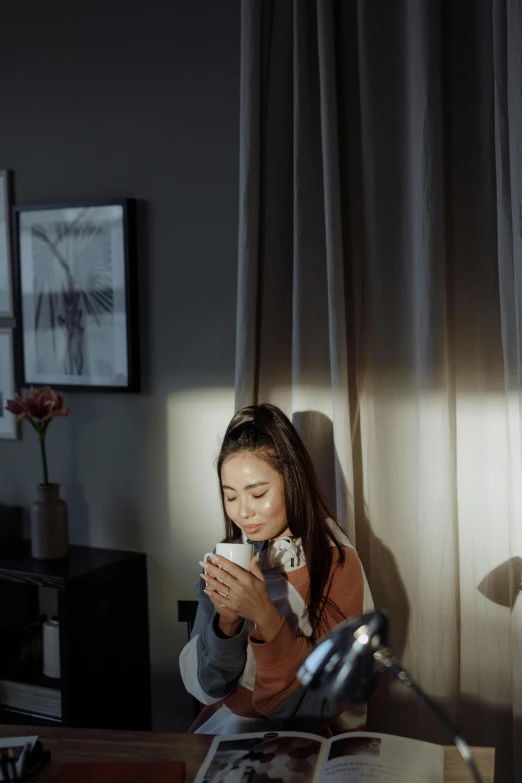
(342, 664)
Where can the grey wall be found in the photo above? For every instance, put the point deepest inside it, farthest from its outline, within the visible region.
(103, 101)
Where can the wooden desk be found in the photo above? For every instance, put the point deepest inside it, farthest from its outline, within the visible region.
(68, 745)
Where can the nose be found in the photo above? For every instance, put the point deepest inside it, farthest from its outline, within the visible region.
(244, 509)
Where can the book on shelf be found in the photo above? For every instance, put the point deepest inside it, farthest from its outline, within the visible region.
(345, 758)
(32, 698)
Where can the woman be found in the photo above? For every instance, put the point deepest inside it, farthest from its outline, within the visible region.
(253, 629)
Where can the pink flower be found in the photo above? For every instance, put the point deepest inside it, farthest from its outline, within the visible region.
(41, 405)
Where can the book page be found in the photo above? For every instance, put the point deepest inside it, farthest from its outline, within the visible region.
(276, 756)
(361, 757)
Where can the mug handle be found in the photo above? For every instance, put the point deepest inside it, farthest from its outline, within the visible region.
(207, 557)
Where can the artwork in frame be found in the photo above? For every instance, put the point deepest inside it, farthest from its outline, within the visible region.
(8, 425)
(75, 270)
(6, 277)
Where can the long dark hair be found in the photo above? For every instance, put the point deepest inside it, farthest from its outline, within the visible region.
(266, 431)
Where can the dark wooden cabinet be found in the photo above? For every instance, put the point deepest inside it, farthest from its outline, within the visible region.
(104, 633)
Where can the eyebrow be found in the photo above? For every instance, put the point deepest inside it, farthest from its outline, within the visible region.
(248, 486)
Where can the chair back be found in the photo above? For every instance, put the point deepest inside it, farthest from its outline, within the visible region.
(187, 614)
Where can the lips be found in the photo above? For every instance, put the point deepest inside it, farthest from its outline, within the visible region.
(251, 529)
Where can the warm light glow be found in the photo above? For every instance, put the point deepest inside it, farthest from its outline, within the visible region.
(441, 472)
(442, 499)
(196, 422)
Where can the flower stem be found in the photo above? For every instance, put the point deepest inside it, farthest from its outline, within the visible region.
(44, 457)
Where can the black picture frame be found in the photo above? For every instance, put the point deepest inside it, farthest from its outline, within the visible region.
(66, 258)
(6, 254)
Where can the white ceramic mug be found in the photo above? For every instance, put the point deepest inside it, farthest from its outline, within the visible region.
(51, 647)
(240, 554)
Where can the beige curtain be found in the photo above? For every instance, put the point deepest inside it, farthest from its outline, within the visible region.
(380, 257)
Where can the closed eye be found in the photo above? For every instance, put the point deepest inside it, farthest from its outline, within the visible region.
(230, 500)
(261, 495)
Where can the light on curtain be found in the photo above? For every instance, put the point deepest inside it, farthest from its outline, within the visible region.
(380, 263)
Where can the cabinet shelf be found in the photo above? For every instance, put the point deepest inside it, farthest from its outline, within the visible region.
(41, 681)
(104, 634)
(20, 718)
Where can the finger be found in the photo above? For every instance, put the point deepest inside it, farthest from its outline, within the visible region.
(216, 568)
(222, 608)
(216, 573)
(221, 563)
(216, 599)
(255, 570)
(216, 584)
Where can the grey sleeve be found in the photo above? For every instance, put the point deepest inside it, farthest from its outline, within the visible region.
(205, 611)
(220, 660)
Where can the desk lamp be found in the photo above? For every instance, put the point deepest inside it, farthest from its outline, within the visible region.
(346, 663)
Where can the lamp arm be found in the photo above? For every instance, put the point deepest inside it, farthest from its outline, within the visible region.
(383, 656)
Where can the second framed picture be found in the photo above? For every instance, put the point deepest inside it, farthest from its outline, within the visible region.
(76, 280)
(8, 426)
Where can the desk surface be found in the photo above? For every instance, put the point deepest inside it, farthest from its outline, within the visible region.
(69, 745)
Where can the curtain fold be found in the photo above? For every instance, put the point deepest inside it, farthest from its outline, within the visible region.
(507, 69)
(379, 304)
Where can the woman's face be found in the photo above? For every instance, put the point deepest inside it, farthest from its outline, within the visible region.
(254, 497)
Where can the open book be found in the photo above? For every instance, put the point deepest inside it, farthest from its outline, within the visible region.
(294, 757)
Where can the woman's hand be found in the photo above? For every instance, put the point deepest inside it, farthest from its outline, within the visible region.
(229, 621)
(240, 593)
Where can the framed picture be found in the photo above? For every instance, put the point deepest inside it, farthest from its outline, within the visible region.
(76, 292)
(6, 278)
(8, 425)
